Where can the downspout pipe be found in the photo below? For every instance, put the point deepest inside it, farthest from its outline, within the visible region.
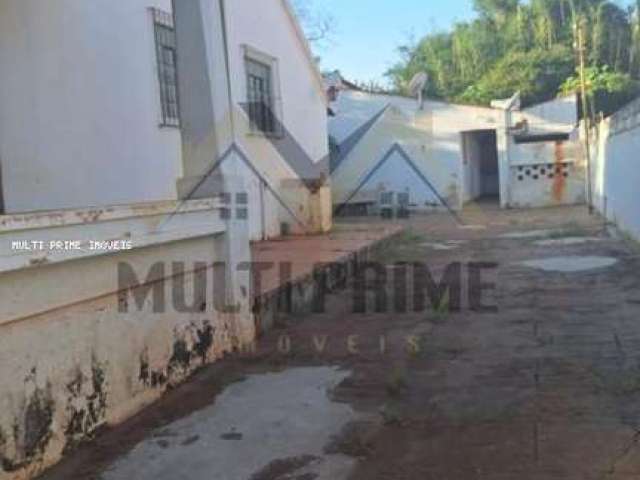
(227, 62)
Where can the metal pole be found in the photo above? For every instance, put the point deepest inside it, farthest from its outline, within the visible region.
(579, 27)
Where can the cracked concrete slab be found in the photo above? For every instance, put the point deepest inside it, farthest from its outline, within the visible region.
(445, 245)
(269, 422)
(528, 234)
(553, 242)
(570, 264)
(440, 246)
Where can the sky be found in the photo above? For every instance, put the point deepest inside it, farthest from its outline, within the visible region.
(368, 32)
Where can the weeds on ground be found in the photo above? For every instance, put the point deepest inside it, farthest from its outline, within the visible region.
(355, 440)
(404, 247)
(397, 382)
(623, 383)
(630, 240)
(391, 414)
(441, 311)
(416, 350)
(571, 229)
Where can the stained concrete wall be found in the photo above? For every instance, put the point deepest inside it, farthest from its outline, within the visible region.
(616, 169)
(76, 350)
(80, 108)
(546, 173)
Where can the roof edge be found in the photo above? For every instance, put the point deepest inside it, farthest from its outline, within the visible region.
(293, 18)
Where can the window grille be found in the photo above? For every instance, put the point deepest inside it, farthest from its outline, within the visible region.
(260, 97)
(167, 67)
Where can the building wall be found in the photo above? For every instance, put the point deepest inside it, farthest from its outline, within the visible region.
(441, 140)
(77, 350)
(546, 173)
(558, 115)
(616, 169)
(432, 137)
(264, 29)
(80, 105)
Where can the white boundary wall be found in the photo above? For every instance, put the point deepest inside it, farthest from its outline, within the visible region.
(616, 169)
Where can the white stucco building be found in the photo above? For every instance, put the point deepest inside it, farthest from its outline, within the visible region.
(443, 155)
(96, 98)
(81, 121)
(234, 58)
(171, 139)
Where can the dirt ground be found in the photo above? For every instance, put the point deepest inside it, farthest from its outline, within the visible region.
(547, 387)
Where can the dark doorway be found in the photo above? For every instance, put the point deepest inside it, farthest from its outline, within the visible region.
(481, 172)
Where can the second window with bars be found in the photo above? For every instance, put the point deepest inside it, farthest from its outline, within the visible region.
(260, 97)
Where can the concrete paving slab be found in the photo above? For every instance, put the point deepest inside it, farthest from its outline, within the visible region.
(529, 234)
(440, 246)
(275, 421)
(552, 242)
(571, 264)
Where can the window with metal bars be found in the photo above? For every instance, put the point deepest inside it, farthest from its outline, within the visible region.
(167, 67)
(260, 97)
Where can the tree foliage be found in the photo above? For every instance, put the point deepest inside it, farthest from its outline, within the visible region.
(319, 26)
(526, 46)
(607, 89)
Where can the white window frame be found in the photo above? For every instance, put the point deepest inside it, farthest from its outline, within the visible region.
(163, 19)
(255, 55)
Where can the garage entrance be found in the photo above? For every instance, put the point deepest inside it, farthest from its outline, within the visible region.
(481, 177)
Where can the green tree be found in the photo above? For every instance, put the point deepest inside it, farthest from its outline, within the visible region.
(535, 74)
(608, 90)
(523, 45)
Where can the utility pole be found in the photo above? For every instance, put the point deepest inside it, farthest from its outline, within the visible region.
(581, 49)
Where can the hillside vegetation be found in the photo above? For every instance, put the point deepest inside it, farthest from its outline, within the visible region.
(529, 47)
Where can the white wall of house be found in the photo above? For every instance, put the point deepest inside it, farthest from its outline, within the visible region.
(80, 108)
(616, 169)
(265, 31)
(267, 28)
